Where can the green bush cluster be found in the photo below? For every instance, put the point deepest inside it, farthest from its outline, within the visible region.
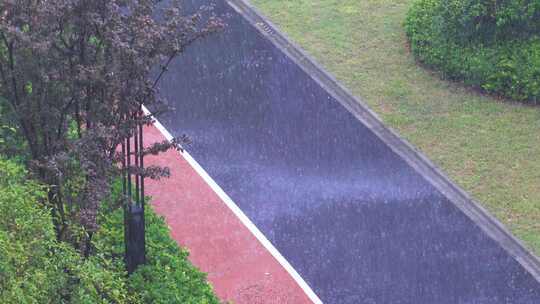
(493, 45)
(35, 268)
(31, 262)
(168, 276)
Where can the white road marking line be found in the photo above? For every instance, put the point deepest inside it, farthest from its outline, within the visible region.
(240, 214)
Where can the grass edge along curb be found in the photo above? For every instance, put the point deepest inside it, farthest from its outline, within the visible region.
(489, 147)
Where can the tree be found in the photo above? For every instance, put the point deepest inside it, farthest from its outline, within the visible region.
(75, 74)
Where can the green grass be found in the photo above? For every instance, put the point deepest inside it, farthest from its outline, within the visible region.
(489, 147)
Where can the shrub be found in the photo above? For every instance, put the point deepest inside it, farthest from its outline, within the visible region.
(168, 276)
(493, 45)
(31, 262)
(36, 268)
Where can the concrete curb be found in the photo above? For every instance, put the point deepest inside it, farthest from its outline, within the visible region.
(480, 216)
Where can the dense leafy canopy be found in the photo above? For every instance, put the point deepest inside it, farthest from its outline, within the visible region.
(73, 75)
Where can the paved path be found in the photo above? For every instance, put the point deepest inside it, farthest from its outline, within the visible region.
(344, 211)
(238, 266)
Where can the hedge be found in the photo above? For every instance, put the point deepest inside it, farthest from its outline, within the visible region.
(31, 262)
(492, 45)
(168, 276)
(35, 268)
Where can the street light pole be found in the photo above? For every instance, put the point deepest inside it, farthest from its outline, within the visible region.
(134, 224)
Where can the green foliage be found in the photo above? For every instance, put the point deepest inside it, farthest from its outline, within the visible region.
(65, 61)
(494, 45)
(488, 21)
(99, 280)
(168, 276)
(31, 262)
(36, 268)
(11, 142)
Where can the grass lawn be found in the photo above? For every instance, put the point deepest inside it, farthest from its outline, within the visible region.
(489, 147)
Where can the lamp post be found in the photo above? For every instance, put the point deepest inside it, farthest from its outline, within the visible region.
(133, 193)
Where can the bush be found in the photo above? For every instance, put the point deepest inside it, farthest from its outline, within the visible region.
(168, 276)
(493, 45)
(31, 262)
(35, 268)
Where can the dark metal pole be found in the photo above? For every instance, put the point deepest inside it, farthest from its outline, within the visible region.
(135, 240)
(141, 164)
(128, 173)
(124, 197)
(136, 156)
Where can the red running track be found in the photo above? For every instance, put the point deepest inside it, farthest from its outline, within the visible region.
(238, 265)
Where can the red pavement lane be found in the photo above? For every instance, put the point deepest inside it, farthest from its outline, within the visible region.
(238, 266)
